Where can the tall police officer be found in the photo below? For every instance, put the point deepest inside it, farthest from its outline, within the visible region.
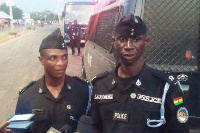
(77, 40)
(57, 100)
(71, 36)
(135, 98)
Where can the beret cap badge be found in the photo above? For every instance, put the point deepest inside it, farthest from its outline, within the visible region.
(131, 26)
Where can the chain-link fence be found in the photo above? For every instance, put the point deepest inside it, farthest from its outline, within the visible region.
(174, 34)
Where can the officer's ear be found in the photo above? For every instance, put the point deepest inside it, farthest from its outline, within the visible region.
(146, 41)
(41, 60)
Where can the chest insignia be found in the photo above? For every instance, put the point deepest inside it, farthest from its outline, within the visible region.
(40, 90)
(138, 83)
(120, 116)
(69, 87)
(133, 95)
(69, 107)
(113, 81)
(148, 98)
(106, 96)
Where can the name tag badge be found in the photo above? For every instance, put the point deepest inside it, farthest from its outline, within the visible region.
(106, 96)
(36, 111)
(149, 99)
(121, 116)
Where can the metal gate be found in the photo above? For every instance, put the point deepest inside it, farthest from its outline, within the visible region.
(174, 34)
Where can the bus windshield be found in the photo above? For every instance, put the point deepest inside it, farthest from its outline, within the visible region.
(81, 13)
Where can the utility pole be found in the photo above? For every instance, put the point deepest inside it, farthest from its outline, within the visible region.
(10, 3)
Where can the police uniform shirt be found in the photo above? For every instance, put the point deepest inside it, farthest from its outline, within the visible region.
(50, 111)
(123, 105)
(70, 32)
(77, 30)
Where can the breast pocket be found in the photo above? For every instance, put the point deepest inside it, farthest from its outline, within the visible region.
(41, 116)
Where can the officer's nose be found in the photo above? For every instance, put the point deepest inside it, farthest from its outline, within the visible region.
(130, 44)
(60, 62)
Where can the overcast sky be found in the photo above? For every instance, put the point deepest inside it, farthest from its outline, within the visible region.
(41, 5)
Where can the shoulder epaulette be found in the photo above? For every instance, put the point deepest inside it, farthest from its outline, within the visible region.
(166, 77)
(80, 79)
(99, 76)
(25, 88)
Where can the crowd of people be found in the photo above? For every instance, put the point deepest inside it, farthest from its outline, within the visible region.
(134, 98)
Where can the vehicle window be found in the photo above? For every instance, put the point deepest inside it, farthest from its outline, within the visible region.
(104, 29)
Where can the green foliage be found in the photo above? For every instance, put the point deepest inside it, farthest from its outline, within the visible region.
(46, 15)
(17, 13)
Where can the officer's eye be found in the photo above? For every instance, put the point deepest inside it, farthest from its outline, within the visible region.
(136, 39)
(123, 39)
(52, 58)
(65, 57)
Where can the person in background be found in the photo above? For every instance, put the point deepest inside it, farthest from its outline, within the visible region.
(135, 98)
(71, 36)
(77, 33)
(57, 100)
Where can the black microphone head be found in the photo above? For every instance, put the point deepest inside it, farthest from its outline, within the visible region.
(86, 119)
(86, 125)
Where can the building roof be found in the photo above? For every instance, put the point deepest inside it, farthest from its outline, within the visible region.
(4, 15)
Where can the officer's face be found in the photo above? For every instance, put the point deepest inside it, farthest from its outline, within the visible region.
(70, 25)
(75, 22)
(55, 62)
(130, 50)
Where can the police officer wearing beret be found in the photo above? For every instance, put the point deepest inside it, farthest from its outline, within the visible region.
(135, 98)
(57, 100)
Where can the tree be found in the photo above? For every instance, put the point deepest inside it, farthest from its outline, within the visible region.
(17, 13)
(41, 15)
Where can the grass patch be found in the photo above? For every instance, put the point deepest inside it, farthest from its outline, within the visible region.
(6, 37)
(14, 34)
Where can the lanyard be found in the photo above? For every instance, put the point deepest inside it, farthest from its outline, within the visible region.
(162, 111)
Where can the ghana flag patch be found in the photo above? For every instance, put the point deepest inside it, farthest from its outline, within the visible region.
(178, 101)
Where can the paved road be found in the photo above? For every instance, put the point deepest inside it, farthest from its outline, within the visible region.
(20, 65)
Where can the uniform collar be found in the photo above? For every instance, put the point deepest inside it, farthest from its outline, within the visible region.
(42, 89)
(138, 81)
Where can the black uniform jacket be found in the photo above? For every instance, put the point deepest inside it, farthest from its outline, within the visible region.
(123, 105)
(54, 112)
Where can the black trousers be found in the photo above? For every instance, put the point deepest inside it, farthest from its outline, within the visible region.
(75, 43)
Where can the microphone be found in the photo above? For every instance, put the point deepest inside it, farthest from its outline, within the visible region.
(66, 129)
(85, 125)
(52, 130)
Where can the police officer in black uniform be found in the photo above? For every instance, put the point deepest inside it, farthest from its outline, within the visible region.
(71, 36)
(135, 98)
(57, 100)
(77, 40)
(74, 34)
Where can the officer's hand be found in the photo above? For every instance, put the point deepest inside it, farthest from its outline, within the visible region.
(3, 128)
(66, 129)
(85, 125)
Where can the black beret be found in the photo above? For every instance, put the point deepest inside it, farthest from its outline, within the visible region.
(131, 26)
(53, 41)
